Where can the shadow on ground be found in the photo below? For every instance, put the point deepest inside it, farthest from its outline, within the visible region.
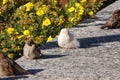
(93, 21)
(49, 45)
(34, 71)
(95, 41)
(14, 77)
(48, 56)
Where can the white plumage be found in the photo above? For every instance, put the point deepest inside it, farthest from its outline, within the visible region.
(67, 40)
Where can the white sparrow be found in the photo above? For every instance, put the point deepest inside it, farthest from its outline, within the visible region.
(8, 67)
(30, 50)
(67, 40)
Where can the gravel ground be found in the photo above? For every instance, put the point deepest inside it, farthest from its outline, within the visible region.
(98, 57)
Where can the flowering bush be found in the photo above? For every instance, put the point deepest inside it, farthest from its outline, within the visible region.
(40, 20)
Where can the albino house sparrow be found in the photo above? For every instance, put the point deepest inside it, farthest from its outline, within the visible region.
(67, 40)
(8, 67)
(30, 50)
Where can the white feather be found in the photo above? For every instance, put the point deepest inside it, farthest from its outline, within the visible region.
(67, 40)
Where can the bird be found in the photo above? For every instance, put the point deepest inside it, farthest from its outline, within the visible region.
(67, 40)
(30, 50)
(113, 21)
(9, 67)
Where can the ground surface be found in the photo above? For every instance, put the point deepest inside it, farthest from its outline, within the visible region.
(98, 57)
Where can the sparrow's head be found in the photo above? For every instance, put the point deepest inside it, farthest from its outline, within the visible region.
(116, 14)
(64, 31)
(117, 11)
(2, 56)
(29, 42)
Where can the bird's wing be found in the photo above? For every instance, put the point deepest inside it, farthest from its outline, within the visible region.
(38, 50)
(70, 37)
(6, 68)
(18, 70)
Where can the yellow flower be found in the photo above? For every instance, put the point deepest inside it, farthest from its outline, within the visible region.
(23, 37)
(26, 32)
(71, 9)
(46, 22)
(80, 12)
(10, 30)
(11, 55)
(43, 7)
(49, 39)
(55, 1)
(4, 1)
(78, 5)
(38, 40)
(16, 32)
(29, 6)
(70, 19)
(83, 1)
(39, 12)
(91, 13)
(60, 21)
(0, 13)
(20, 37)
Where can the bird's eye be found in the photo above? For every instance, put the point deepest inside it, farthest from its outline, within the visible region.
(63, 31)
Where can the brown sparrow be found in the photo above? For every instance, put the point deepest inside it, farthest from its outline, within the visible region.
(8, 67)
(113, 21)
(30, 50)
